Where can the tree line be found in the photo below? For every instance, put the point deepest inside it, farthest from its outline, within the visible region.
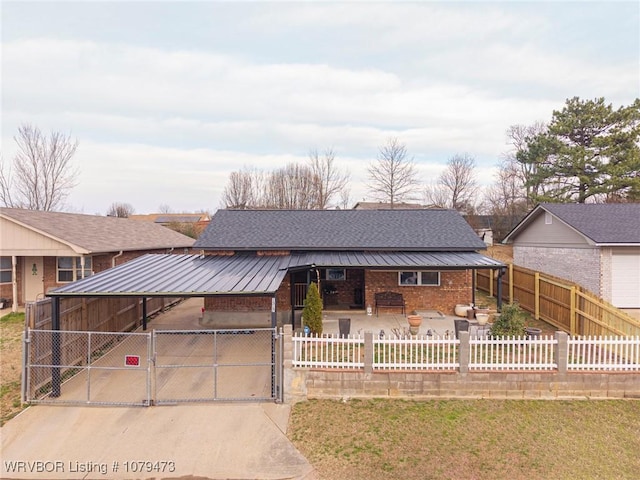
(588, 152)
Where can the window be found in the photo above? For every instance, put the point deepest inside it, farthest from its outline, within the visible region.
(6, 271)
(548, 218)
(419, 278)
(70, 268)
(336, 274)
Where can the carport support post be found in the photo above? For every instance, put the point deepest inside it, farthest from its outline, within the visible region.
(501, 272)
(55, 347)
(144, 313)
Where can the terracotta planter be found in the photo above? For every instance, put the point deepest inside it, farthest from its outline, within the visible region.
(414, 323)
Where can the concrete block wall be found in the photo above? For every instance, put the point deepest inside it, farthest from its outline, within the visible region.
(579, 265)
(301, 384)
(307, 384)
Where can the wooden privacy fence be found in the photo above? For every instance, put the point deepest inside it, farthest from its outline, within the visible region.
(97, 314)
(558, 302)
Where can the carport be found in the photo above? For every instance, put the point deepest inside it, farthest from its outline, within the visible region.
(183, 276)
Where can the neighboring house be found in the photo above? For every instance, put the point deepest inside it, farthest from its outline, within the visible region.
(191, 224)
(427, 255)
(43, 250)
(596, 246)
(387, 206)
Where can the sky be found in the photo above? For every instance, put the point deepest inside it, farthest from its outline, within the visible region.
(167, 98)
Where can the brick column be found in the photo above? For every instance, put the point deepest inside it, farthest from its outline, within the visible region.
(368, 352)
(293, 388)
(464, 353)
(561, 356)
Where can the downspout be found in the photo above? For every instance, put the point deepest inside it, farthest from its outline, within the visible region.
(113, 259)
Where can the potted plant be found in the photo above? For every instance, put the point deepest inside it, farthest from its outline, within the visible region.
(415, 321)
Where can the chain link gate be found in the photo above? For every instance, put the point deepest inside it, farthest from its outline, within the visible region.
(215, 365)
(87, 367)
(161, 367)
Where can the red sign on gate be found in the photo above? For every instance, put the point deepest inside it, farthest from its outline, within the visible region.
(132, 360)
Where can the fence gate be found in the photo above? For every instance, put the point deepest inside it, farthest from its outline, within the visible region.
(159, 367)
(216, 365)
(87, 368)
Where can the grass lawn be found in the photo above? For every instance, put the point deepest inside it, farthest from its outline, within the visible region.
(469, 439)
(11, 328)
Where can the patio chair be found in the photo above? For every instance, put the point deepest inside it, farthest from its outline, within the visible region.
(460, 326)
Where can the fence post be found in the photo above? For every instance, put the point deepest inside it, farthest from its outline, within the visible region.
(464, 352)
(562, 351)
(536, 295)
(511, 283)
(287, 363)
(491, 283)
(368, 352)
(572, 313)
(26, 355)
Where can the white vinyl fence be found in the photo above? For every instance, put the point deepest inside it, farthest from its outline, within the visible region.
(512, 353)
(604, 353)
(417, 353)
(432, 353)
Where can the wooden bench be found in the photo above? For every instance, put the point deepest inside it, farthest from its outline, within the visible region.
(389, 300)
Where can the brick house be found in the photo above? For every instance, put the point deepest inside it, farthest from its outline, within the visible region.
(43, 250)
(596, 246)
(427, 255)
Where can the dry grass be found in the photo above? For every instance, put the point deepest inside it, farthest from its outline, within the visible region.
(470, 439)
(11, 328)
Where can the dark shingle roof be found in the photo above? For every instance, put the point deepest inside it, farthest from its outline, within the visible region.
(408, 230)
(601, 222)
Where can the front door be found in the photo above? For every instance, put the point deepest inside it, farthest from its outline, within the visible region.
(33, 271)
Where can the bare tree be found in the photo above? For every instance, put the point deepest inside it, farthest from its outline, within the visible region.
(291, 187)
(392, 178)
(518, 136)
(42, 175)
(244, 189)
(329, 181)
(456, 187)
(120, 210)
(504, 200)
(164, 208)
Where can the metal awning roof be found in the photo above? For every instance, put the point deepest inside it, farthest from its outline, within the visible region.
(183, 275)
(382, 260)
(245, 274)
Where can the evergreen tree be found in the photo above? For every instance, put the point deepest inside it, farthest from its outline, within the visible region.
(589, 150)
(312, 311)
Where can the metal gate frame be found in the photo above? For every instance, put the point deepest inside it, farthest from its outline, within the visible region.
(69, 356)
(204, 356)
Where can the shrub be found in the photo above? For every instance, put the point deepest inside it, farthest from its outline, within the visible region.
(510, 322)
(312, 311)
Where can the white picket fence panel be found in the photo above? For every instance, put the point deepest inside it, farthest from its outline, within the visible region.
(485, 354)
(314, 351)
(417, 353)
(603, 353)
(512, 353)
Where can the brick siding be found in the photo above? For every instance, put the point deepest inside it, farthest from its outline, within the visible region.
(579, 265)
(455, 287)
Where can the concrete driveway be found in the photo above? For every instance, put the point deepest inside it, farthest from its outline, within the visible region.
(220, 441)
(186, 441)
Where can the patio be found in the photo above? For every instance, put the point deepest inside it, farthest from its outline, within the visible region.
(433, 323)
